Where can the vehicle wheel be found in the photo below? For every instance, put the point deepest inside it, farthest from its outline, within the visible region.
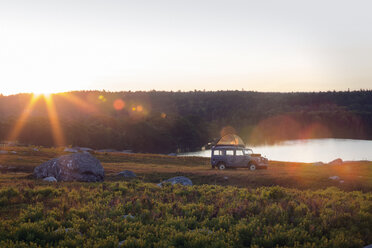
(221, 166)
(252, 167)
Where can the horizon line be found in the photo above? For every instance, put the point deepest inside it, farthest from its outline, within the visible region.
(186, 91)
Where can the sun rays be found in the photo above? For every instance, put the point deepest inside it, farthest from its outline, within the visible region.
(58, 136)
(49, 100)
(57, 132)
(22, 119)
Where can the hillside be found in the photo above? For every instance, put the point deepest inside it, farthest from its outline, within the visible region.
(163, 122)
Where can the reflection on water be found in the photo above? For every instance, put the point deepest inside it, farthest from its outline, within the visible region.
(312, 150)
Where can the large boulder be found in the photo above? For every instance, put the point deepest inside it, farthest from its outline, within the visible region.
(75, 167)
(178, 180)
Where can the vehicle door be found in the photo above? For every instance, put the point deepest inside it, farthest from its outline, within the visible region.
(217, 156)
(240, 158)
(230, 157)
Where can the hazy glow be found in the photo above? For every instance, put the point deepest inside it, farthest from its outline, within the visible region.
(290, 45)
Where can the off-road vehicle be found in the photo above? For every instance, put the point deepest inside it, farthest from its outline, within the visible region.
(230, 152)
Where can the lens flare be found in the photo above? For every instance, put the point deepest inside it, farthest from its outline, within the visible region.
(119, 104)
(139, 108)
(102, 98)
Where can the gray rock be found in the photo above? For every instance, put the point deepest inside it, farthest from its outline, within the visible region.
(337, 161)
(74, 167)
(83, 149)
(178, 180)
(368, 246)
(128, 216)
(35, 149)
(68, 230)
(70, 150)
(50, 179)
(334, 178)
(107, 150)
(126, 151)
(318, 163)
(127, 174)
(121, 243)
(3, 152)
(14, 152)
(203, 230)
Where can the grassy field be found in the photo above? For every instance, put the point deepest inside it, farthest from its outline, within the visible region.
(287, 205)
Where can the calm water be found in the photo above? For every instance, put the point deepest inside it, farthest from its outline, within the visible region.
(312, 150)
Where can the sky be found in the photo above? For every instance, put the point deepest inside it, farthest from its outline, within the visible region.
(268, 45)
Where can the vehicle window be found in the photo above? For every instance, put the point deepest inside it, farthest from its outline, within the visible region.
(239, 153)
(217, 152)
(248, 151)
(229, 152)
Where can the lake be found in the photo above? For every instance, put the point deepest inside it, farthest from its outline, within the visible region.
(312, 150)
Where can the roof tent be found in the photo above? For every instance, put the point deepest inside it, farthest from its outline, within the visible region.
(231, 140)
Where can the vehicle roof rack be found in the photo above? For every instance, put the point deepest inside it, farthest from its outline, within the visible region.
(231, 140)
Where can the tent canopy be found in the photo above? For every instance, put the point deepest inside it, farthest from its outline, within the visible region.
(231, 139)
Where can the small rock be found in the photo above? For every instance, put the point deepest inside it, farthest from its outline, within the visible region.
(14, 152)
(11, 167)
(67, 230)
(318, 163)
(172, 154)
(126, 151)
(35, 149)
(178, 180)
(107, 150)
(202, 230)
(128, 216)
(342, 181)
(334, 177)
(226, 178)
(337, 161)
(50, 179)
(127, 174)
(70, 150)
(121, 243)
(83, 149)
(4, 152)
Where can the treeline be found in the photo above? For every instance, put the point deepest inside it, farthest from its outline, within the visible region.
(165, 122)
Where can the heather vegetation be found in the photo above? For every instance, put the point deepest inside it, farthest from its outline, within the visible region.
(163, 122)
(140, 214)
(287, 205)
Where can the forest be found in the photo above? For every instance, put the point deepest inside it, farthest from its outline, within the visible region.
(164, 122)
